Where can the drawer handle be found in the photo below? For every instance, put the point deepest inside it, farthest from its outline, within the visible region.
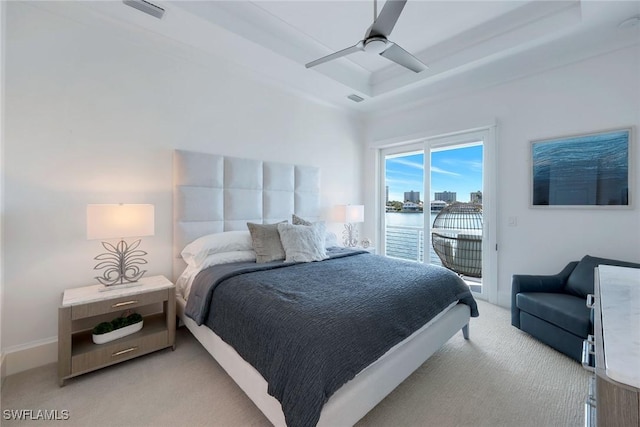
(591, 300)
(121, 352)
(587, 350)
(122, 304)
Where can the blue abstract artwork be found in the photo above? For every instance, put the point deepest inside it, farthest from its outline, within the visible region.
(583, 170)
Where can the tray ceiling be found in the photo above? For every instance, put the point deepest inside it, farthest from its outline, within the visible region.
(466, 44)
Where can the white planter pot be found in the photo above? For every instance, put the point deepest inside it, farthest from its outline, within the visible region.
(118, 333)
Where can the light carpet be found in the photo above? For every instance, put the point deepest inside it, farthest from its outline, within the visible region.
(500, 377)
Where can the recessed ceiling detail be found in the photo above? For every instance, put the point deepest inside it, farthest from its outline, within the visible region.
(466, 44)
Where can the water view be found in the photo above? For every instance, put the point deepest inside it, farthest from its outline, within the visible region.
(455, 175)
(405, 236)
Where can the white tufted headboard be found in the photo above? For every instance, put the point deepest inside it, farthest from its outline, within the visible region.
(216, 193)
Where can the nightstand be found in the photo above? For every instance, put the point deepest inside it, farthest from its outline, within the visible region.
(83, 308)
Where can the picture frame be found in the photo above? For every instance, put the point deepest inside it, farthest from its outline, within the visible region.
(591, 170)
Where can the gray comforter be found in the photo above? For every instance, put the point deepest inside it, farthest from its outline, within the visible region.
(309, 328)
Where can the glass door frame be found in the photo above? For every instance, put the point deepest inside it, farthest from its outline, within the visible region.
(402, 149)
(484, 135)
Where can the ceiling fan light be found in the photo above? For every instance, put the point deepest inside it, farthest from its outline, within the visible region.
(375, 45)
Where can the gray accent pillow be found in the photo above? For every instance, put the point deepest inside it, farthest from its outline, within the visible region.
(266, 242)
(303, 243)
(296, 220)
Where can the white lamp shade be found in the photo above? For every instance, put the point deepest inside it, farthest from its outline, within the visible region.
(119, 220)
(351, 213)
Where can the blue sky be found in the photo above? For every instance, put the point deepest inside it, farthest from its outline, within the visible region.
(458, 170)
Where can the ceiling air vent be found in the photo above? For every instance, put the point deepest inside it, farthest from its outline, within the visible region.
(146, 7)
(355, 98)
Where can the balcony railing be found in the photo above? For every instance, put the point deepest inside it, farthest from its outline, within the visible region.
(407, 242)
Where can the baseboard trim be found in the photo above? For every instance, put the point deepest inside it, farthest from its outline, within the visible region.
(504, 299)
(28, 356)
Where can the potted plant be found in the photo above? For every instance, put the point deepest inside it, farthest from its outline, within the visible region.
(117, 328)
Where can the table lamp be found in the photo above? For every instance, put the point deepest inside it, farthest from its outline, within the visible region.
(116, 221)
(350, 214)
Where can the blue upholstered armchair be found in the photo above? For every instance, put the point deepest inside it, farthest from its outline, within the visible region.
(553, 308)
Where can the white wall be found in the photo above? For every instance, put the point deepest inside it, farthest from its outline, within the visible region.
(2, 50)
(596, 94)
(93, 115)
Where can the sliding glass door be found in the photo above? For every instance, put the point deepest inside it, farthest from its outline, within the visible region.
(439, 205)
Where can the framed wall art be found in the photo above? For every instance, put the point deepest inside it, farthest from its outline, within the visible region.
(589, 170)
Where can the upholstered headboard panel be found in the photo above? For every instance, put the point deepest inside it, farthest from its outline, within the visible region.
(216, 193)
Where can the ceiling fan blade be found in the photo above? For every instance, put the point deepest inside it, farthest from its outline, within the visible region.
(356, 48)
(400, 56)
(386, 20)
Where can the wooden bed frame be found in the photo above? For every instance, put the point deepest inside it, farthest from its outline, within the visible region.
(214, 194)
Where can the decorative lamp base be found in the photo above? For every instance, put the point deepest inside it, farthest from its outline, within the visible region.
(120, 263)
(350, 236)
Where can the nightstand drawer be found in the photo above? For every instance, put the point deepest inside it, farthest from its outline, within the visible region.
(117, 305)
(118, 352)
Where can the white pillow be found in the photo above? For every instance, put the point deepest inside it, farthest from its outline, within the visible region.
(227, 258)
(185, 280)
(303, 243)
(330, 240)
(228, 241)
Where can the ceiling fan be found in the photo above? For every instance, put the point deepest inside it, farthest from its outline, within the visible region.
(376, 39)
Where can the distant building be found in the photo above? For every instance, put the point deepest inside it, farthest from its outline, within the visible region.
(446, 196)
(476, 197)
(410, 207)
(438, 205)
(412, 196)
(387, 195)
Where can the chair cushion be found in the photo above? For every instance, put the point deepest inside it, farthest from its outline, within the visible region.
(563, 341)
(580, 281)
(565, 311)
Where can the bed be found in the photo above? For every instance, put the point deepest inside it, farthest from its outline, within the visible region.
(217, 196)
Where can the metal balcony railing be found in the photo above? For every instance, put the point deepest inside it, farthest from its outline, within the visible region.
(407, 242)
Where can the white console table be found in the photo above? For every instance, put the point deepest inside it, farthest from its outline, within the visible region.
(617, 346)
